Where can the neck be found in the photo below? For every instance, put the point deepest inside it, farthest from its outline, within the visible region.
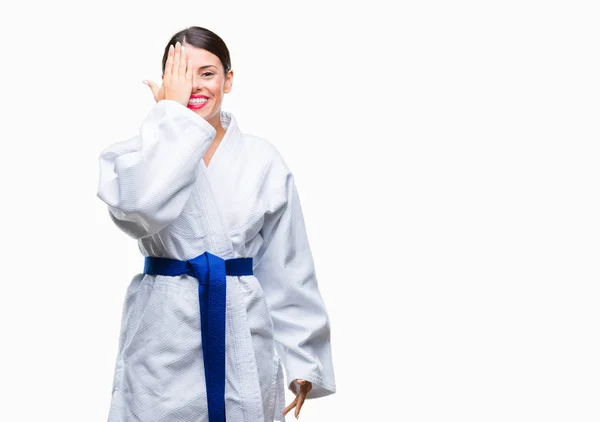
(215, 122)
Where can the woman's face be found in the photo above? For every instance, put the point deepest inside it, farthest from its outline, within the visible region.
(209, 81)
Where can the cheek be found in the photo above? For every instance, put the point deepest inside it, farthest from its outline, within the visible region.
(218, 86)
(216, 89)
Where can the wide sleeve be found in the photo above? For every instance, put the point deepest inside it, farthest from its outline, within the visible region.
(147, 180)
(286, 272)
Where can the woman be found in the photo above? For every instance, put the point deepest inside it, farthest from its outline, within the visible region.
(228, 296)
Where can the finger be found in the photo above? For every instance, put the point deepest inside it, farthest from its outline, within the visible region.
(301, 397)
(153, 87)
(176, 59)
(169, 62)
(290, 406)
(189, 73)
(183, 63)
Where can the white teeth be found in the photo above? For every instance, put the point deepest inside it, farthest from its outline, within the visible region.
(198, 100)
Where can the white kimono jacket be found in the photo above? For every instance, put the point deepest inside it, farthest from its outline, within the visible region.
(243, 204)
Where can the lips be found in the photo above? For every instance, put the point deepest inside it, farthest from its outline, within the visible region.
(197, 106)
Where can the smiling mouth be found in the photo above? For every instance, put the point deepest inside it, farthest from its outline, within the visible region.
(197, 103)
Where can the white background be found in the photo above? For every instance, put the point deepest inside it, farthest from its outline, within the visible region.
(447, 159)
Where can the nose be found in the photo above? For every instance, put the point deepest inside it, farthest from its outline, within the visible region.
(196, 83)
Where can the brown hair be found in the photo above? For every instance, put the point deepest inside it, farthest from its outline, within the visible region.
(201, 38)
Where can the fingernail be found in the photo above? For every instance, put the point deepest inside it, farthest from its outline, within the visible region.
(145, 83)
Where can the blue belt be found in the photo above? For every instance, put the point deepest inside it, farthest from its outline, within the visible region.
(210, 270)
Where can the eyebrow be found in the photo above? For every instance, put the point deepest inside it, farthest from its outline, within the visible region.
(208, 65)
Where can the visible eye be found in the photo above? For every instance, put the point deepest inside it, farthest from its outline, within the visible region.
(207, 74)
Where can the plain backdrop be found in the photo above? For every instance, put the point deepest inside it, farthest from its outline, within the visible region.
(447, 160)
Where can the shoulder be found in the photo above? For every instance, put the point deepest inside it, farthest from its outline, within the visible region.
(265, 152)
(262, 156)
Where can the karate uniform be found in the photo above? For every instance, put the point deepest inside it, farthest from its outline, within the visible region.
(243, 204)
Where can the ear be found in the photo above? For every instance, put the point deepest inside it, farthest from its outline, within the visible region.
(228, 82)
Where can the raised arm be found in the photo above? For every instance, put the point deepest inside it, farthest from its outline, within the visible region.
(147, 180)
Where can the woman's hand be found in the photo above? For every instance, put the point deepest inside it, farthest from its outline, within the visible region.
(305, 387)
(177, 80)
